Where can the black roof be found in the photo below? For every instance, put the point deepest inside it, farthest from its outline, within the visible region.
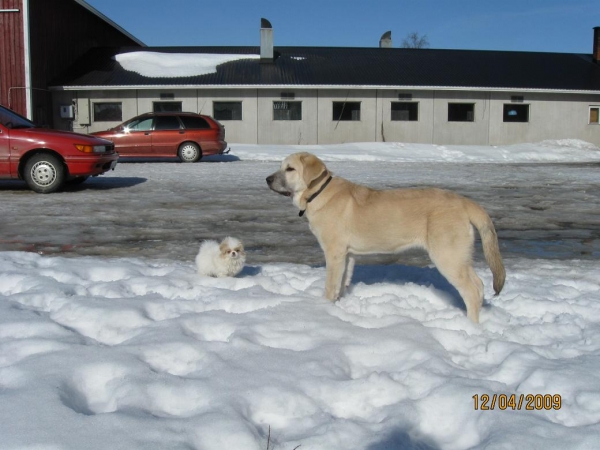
(344, 66)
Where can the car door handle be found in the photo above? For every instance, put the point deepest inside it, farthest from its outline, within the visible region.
(146, 133)
(182, 132)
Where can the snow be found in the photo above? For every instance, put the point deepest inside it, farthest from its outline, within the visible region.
(123, 352)
(559, 150)
(171, 65)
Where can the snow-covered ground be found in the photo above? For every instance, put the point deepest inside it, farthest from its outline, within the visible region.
(132, 349)
(550, 151)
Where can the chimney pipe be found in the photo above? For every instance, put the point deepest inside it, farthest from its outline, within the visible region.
(596, 53)
(386, 40)
(266, 41)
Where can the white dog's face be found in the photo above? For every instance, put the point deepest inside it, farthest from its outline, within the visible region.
(232, 248)
(295, 175)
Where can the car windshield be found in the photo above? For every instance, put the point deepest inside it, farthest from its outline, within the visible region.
(13, 120)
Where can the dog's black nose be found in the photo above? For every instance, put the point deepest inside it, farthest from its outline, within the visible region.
(270, 179)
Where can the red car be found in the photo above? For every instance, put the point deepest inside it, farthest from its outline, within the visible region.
(189, 136)
(47, 159)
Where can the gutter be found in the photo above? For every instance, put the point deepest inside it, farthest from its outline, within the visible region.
(312, 86)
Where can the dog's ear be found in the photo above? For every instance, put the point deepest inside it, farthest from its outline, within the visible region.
(312, 171)
(312, 168)
(223, 247)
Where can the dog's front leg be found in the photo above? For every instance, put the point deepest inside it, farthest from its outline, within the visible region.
(336, 264)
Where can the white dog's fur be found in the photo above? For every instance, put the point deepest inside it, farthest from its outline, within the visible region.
(348, 219)
(221, 260)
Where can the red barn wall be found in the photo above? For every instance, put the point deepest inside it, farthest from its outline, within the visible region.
(12, 57)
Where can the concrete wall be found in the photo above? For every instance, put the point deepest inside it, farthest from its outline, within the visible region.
(338, 132)
(293, 132)
(551, 116)
(244, 130)
(405, 131)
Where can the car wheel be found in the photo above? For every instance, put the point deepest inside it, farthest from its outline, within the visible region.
(44, 173)
(189, 152)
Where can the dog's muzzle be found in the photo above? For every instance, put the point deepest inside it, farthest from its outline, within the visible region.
(275, 185)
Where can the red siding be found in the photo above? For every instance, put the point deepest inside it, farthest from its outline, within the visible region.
(12, 59)
(60, 32)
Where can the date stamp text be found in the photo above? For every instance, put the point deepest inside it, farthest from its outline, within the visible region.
(517, 402)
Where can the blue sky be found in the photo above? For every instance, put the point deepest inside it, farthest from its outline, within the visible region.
(521, 25)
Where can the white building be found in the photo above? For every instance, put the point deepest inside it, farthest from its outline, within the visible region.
(326, 95)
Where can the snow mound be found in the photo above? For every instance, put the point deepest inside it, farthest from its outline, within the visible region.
(126, 353)
(572, 143)
(171, 65)
(551, 151)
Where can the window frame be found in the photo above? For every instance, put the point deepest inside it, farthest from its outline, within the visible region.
(455, 104)
(233, 118)
(517, 106)
(412, 103)
(120, 106)
(591, 107)
(295, 102)
(162, 102)
(344, 103)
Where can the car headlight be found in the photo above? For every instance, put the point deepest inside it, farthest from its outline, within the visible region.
(91, 148)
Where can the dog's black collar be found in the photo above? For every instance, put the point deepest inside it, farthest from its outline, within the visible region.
(312, 197)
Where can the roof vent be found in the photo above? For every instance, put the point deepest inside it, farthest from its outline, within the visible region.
(266, 41)
(386, 40)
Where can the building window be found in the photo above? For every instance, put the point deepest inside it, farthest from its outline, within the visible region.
(595, 115)
(461, 112)
(167, 107)
(287, 110)
(108, 112)
(405, 111)
(227, 110)
(346, 111)
(516, 113)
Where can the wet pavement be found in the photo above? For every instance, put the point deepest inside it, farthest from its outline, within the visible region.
(164, 209)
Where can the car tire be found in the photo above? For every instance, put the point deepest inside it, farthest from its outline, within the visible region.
(189, 152)
(44, 173)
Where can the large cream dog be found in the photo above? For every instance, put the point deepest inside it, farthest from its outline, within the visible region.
(349, 219)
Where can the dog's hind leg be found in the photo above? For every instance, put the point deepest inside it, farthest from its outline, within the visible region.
(451, 253)
(467, 283)
(349, 270)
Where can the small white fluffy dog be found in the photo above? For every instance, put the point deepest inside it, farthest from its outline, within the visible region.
(221, 260)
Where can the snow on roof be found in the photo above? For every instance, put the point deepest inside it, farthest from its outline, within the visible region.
(172, 65)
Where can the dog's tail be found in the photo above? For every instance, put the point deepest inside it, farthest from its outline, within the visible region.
(489, 239)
